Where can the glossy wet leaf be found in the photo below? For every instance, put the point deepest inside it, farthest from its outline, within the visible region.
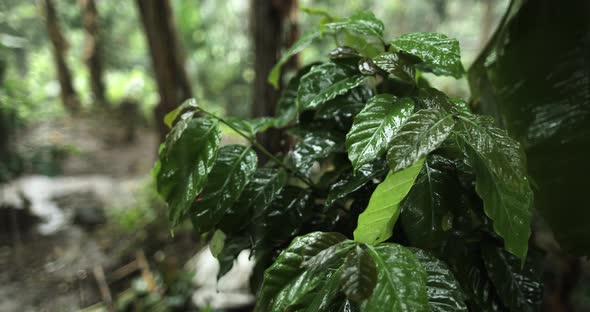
(359, 274)
(435, 99)
(324, 82)
(501, 179)
(343, 108)
(354, 181)
(399, 64)
(427, 209)
(264, 187)
(362, 23)
(186, 159)
(315, 146)
(541, 97)
(252, 126)
(441, 54)
(521, 289)
(444, 292)
(172, 115)
(232, 247)
(288, 265)
(287, 107)
(374, 126)
(302, 43)
(231, 173)
(421, 134)
(376, 223)
(401, 281)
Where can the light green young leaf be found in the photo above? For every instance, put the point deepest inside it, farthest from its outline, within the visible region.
(441, 54)
(422, 133)
(171, 116)
(186, 158)
(374, 127)
(376, 223)
(362, 23)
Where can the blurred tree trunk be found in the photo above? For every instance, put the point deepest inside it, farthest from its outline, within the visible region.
(92, 49)
(68, 93)
(269, 20)
(167, 58)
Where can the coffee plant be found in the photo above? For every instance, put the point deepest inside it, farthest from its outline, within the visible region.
(395, 197)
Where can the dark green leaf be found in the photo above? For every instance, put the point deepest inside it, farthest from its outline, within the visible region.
(374, 126)
(287, 108)
(399, 64)
(376, 223)
(359, 275)
(185, 160)
(324, 82)
(444, 292)
(441, 54)
(232, 171)
(302, 43)
(354, 181)
(289, 265)
(401, 281)
(362, 23)
(251, 127)
(521, 289)
(426, 212)
(233, 245)
(501, 180)
(422, 133)
(264, 186)
(315, 146)
(343, 108)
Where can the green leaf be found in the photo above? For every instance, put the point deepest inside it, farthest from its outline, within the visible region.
(302, 43)
(343, 108)
(264, 186)
(287, 107)
(399, 64)
(441, 54)
(217, 242)
(501, 179)
(354, 181)
(232, 171)
(171, 116)
(374, 126)
(288, 265)
(251, 127)
(232, 247)
(376, 223)
(324, 82)
(444, 292)
(359, 275)
(401, 281)
(422, 133)
(186, 159)
(362, 23)
(278, 223)
(426, 210)
(521, 289)
(315, 146)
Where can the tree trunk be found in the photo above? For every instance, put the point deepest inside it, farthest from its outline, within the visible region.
(167, 58)
(92, 49)
(68, 93)
(268, 22)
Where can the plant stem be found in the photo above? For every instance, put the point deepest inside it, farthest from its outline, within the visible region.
(261, 148)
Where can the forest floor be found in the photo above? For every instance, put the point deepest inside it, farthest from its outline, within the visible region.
(89, 218)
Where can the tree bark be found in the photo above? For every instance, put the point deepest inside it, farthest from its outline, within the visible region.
(167, 58)
(268, 21)
(68, 93)
(92, 49)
